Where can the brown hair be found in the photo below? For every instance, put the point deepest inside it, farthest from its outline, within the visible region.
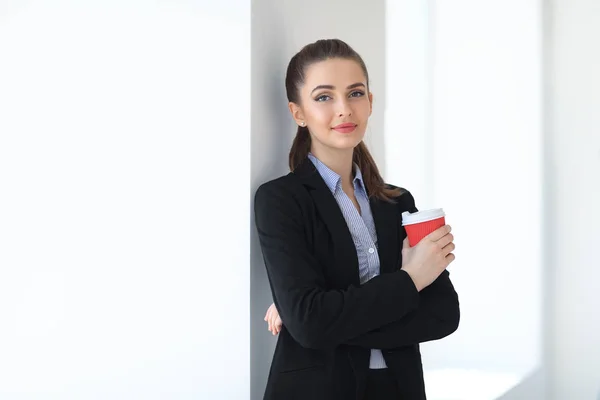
(322, 50)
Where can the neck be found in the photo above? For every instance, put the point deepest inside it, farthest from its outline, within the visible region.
(339, 161)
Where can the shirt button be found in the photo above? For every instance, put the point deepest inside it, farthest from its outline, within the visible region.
(371, 250)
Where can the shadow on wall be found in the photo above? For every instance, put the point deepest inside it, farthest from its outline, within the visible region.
(271, 137)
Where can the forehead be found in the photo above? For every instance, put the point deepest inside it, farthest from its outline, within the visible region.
(337, 72)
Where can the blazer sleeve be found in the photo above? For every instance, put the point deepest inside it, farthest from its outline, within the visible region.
(313, 315)
(437, 316)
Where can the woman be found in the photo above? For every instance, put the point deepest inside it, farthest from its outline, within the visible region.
(354, 299)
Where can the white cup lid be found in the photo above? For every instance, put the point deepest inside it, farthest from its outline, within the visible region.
(422, 216)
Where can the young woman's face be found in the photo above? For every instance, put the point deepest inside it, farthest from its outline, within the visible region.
(335, 104)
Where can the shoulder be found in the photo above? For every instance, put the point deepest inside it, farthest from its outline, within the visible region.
(278, 187)
(280, 201)
(404, 200)
(285, 191)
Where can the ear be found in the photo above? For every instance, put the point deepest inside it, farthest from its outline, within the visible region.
(370, 103)
(297, 113)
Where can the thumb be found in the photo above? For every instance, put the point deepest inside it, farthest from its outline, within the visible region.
(405, 244)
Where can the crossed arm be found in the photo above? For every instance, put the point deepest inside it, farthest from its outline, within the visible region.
(437, 316)
(386, 312)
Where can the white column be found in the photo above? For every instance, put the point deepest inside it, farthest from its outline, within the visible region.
(573, 191)
(124, 200)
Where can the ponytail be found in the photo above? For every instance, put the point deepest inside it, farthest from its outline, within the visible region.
(300, 147)
(374, 183)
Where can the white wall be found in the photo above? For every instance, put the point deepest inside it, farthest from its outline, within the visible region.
(573, 190)
(279, 30)
(487, 158)
(463, 128)
(408, 135)
(123, 188)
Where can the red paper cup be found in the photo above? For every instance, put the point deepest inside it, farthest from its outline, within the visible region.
(422, 223)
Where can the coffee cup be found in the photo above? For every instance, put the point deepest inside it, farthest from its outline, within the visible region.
(422, 223)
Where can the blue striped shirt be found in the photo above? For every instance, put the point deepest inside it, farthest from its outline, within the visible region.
(362, 229)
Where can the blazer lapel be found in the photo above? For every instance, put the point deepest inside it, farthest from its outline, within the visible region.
(346, 261)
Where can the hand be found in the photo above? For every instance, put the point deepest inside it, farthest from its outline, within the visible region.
(272, 318)
(429, 258)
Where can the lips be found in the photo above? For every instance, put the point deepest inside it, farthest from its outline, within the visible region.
(345, 128)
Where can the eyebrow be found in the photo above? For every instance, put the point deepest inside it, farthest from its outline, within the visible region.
(331, 87)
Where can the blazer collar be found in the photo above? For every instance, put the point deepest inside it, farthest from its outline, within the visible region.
(387, 225)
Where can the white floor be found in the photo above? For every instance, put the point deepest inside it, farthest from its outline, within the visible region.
(459, 384)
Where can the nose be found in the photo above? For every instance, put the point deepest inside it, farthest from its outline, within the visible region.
(344, 109)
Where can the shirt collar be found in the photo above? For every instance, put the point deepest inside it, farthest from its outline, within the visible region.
(331, 178)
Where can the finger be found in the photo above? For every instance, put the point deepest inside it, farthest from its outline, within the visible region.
(445, 240)
(449, 248)
(439, 233)
(405, 244)
(273, 323)
(450, 257)
(270, 317)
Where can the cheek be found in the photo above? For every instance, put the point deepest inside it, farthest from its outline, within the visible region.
(321, 115)
(363, 109)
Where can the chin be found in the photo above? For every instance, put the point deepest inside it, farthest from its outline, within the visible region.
(348, 144)
(349, 141)
(342, 142)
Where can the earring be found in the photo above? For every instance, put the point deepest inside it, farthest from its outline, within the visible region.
(302, 123)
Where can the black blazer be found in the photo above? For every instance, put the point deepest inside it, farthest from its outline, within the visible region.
(330, 320)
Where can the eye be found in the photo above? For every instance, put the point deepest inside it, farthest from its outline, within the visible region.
(322, 98)
(357, 93)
